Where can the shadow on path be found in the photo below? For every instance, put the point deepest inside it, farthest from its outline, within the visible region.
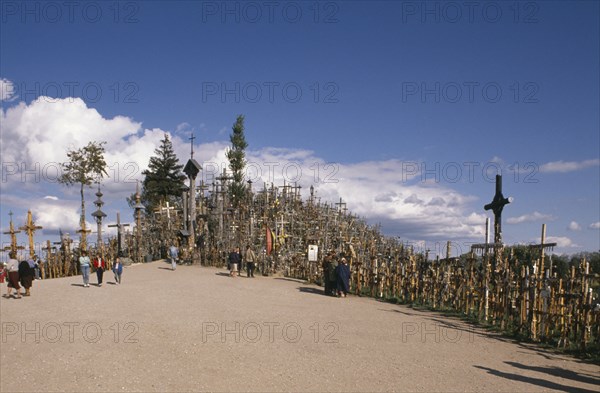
(296, 280)
(165, 268)
(77, 285)
(314, 291)
(535, 381)
(559, 372)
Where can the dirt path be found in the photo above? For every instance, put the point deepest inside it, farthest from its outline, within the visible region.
(196, 329)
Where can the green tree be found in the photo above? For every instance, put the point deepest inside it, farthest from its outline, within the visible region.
(85, 166)
(163, 181)
(237, 161)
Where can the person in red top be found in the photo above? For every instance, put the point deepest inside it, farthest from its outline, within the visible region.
(2, 273)
(99, 265)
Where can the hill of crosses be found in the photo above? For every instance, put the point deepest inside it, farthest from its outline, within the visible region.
(515, 289)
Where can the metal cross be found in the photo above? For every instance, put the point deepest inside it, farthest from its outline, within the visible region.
(496, 206)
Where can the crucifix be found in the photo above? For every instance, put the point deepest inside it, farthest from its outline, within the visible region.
(119, 227)
(13, 237)
(340, 204)
(30, 229)
(496, 206)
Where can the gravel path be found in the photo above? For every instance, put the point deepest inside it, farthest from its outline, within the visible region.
(195, 329)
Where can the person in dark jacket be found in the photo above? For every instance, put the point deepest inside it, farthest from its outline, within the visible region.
(343, 278)
(327, 267)
(234, 261)
(26, 276)
(333, 264)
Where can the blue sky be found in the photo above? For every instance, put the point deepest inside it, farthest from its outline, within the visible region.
(385, 87)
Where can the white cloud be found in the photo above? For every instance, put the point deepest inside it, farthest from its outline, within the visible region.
(535, 216)
(574, 226)
(595, 225)
(568, 166)
(42, 131)
(7, 90)
(379, 190)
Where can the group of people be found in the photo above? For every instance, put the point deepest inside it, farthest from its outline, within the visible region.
(236, 261)
(336, 276)
(20, 274)
(100, 265)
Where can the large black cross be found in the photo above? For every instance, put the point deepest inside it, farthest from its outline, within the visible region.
(496, 206)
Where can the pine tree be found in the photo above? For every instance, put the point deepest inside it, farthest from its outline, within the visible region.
(163, 180)
(237, 162)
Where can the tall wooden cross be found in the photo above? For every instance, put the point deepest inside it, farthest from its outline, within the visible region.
(496, 206)
(13, 237)
(542, 247)
(83, 231)
(119, 227)
(340, 204)
(30, 229)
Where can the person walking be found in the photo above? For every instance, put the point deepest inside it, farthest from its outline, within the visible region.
(343, 278)
(250, 258)
(26, 275)
(3, 272)
(36, 268)
(333, 264)
(326, 273)
(100, 266)
(173, 253)
(84, 264)
(234, 261)
(118, 270)
(12, 267)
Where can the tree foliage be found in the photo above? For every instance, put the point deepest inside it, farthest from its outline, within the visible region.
(85, 166)
(163, 179)
(237, 161)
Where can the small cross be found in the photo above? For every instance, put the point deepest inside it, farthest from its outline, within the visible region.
(192, 144)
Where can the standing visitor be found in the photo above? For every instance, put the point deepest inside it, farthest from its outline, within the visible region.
(26, 275)
(173, 251)
(100, 266)
(12, 267)
(118, 270)
(84, 264)
(3, 272)
(343, 278)
(36, 267)
(250, 261)
(326, 266)
(234, 260)
(333, 264)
